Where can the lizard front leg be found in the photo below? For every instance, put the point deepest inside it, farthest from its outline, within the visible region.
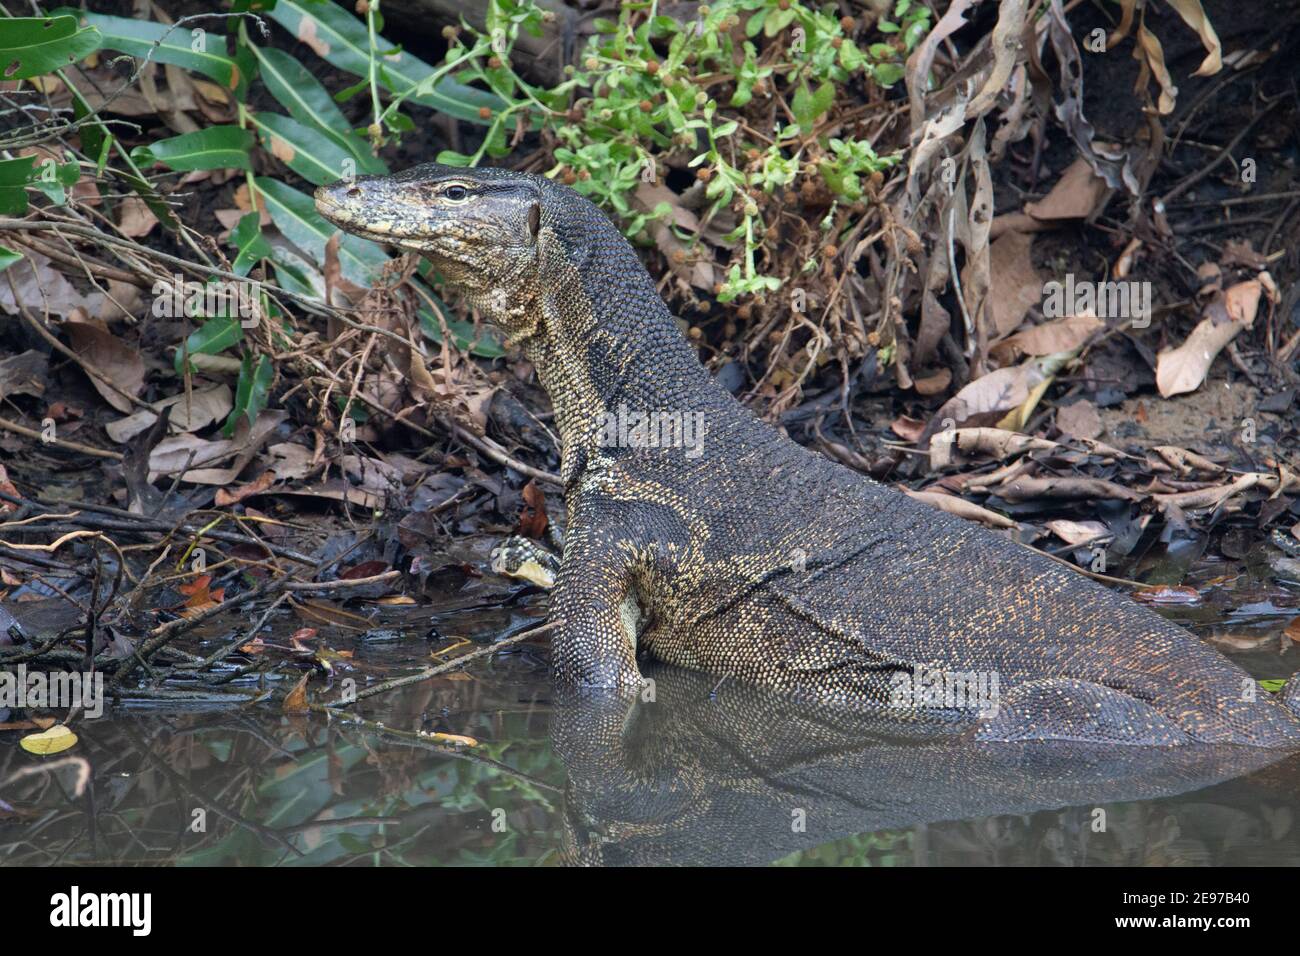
(597, 612)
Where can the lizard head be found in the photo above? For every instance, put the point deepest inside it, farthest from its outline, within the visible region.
(479, 228)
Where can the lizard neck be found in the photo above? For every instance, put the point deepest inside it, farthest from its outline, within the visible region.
(600, 337)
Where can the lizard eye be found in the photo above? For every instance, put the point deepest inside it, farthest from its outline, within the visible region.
(455, 193)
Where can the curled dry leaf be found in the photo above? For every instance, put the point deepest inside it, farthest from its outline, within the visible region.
(1058, 335)
(1078, 532)
(1194, 16)
(1007, 50)
(1024, 489)
(961, 508)
(1184, 368)
(1151, 55)
(960, 445)
(1185, 462)
(910, 429)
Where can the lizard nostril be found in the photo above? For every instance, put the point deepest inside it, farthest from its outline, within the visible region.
(354, 192)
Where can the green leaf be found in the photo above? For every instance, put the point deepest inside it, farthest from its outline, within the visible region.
(166, 44)
(463, 333)
(778, 20)
(449, 157)
(17, 172)
(294, 213)
(252, 245)
(807, 106)
(252, 392)
(217, 147)
(54, 179)
(31, 46)
(307, 101)
(14, 176)
(342, 40)
(307, 151)
(293, 273)
(887, 74)
(1273, 685)
(210, 338)
(8, 257)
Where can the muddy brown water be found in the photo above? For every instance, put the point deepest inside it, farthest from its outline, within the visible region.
(703, 773)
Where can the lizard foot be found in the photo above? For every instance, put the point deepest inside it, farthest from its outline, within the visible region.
(525, 559)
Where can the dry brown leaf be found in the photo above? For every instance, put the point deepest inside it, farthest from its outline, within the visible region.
(1058, 335)
(961, 508)
(1194, 16)
(933, 384)
(993, 398)
(24, 374)
(1024, 489)
(1184, 368)
(190, 413)
(1185, 462)
(1079, 420)
(960, 445)
(1075, 195)
(1151, 55)
(295, 702)
(918, 64)
(1007, 48)
(1077, 532)
(118, 362)
(1015, 285)
(40, 287)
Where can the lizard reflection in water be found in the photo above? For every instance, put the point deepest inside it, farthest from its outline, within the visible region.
(740, 775)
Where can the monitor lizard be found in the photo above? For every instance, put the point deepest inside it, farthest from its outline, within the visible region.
(736, 551)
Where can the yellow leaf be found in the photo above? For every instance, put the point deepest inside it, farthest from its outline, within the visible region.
(52, 741)
(457, 739)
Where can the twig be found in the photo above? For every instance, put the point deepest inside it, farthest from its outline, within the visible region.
(60, 442)
(221, 653)
(341, 582)
(450, 665)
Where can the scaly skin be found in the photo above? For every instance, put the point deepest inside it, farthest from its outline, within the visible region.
(745, 554)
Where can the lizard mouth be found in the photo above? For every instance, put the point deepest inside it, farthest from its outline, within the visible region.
(352, 221)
